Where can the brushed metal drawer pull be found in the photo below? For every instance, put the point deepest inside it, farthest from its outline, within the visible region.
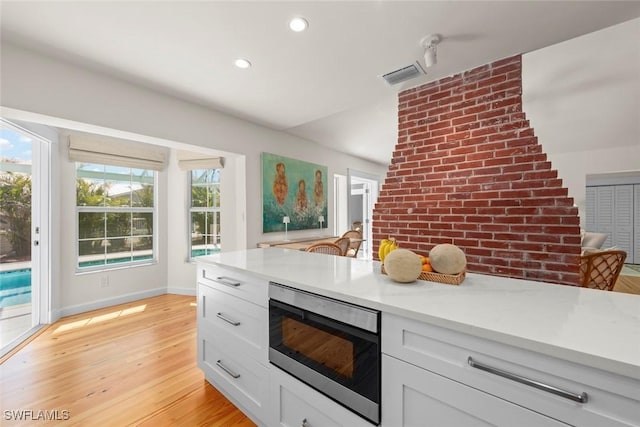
(226, 319)
(228, 281)
(580, 398)
(227, 370)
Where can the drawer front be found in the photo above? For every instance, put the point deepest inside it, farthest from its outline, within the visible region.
(415, 397)
(297, 405)
(238, 324)
(240, 378)
(507, 372)
(233, 282)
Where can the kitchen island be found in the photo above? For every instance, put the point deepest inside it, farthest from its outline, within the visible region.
(573, 338)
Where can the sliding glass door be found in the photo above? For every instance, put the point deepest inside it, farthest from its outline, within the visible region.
(24, 288)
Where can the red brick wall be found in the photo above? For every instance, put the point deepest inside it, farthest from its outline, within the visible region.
(468, 170)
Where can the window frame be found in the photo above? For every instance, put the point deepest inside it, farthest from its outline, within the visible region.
(117, 209)
(191, 209)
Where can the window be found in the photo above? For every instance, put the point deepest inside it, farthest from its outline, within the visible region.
(115, 209)
(204, 212)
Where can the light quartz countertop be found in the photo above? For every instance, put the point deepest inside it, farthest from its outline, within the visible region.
(591, 327)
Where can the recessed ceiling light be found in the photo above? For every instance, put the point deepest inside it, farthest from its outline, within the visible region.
(298, 24)
(242, 63)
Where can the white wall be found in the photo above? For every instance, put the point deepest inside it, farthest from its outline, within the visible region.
(233, 218)
(582, 98)
(82, 291)
(180, 270)
(35, 87)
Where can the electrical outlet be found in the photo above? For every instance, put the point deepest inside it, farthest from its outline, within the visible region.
(104, 281)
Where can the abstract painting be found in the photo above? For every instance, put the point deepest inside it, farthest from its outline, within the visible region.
(295, 189)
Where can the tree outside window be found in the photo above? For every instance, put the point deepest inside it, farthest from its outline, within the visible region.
(15, 212)
(204, 212)
(115, 215)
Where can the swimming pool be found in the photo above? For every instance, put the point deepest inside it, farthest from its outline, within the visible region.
(15, 287)
(201, 252)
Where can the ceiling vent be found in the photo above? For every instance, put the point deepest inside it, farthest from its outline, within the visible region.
(406, 73)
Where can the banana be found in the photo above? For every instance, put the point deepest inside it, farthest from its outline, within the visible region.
(381, 249)
(391, 246)
(386, 246)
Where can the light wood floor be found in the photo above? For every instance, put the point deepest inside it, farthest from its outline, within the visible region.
(627, 284)
(132, 364)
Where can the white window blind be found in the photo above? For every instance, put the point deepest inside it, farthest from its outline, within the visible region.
(188, 160)
(105, 150)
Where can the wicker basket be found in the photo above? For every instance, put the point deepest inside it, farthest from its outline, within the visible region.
(432, 276)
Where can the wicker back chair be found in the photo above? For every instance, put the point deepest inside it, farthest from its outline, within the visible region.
(344, 243)
(600, 270)
(354, 245)
(325, 248)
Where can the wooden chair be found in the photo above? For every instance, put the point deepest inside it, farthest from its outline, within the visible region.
(355, 240)
(325, 248)
(344, 243)
(600, 270)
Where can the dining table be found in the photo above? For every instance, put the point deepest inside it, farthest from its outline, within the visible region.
(302, 246)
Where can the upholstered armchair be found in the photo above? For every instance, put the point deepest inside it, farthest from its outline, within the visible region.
(592, 241)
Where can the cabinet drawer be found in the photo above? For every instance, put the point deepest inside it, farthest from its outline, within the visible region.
(236, 283)
(242, 379)
(414, 397)
(295, 404)
(236, 324)
(612, 400)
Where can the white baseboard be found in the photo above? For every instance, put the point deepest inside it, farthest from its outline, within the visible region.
(122, 299)
(54, 316)
(182, 291)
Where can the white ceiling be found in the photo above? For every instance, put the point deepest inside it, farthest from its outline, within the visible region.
(323, 84)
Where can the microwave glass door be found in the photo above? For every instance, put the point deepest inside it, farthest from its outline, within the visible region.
(343, 353)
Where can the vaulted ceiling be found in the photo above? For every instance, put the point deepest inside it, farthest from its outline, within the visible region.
(323, 84)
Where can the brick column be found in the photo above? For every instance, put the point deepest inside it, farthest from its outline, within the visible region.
(468, 170)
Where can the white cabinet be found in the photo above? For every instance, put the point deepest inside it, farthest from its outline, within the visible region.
(241, 379)
(295, 404)
(238, 324)
(240, 284)
(233, 337)
(233, 340)
(623, 231)
(636, 225)
(427, 377)
(615, 210)
(416, 397)
(532, 381)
